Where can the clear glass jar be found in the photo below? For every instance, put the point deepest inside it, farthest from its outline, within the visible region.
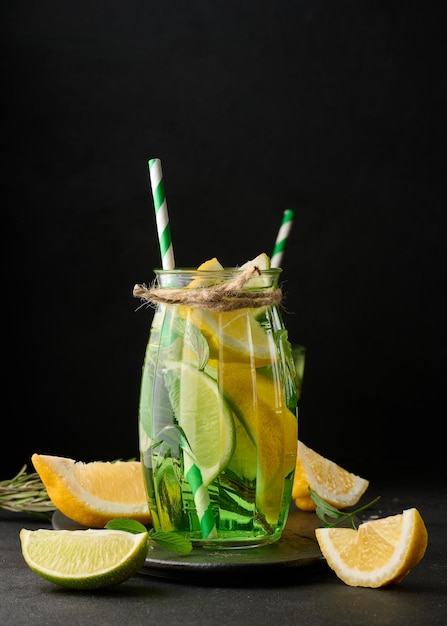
(218, 408)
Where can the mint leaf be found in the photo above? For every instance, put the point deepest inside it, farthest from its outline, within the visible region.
(128, 525)
(193, 340)
(172, 541)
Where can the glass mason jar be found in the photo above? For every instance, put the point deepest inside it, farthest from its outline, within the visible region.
(218, 407)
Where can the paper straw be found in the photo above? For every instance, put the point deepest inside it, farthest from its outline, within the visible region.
(201, 495)
(282, 238)
(161, 214)
(192, 471)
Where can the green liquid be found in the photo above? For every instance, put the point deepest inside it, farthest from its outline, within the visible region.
(238, 517)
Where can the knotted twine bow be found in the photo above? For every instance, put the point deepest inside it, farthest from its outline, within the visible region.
(227, 296)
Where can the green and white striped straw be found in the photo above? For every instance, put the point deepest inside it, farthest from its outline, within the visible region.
(282, 238)
(192, 470)
(161, 214)
(200, 493)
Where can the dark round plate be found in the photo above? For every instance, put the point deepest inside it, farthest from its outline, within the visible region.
(297, 548)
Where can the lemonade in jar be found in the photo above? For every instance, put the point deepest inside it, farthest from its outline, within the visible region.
(218, 405)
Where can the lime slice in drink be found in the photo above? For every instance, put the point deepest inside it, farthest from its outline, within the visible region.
(84, 559)
(204, 417)
(244, 461)
(262, 262)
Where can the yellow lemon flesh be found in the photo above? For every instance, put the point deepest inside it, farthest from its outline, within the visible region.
(233, 336)
(261, 407)
(332, 482)
(266, 430)
(94, 493)
(381, 552)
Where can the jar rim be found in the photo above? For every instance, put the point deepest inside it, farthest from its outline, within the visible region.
(181, 270)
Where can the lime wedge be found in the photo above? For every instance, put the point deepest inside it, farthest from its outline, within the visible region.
(84, 559)
(204, 417)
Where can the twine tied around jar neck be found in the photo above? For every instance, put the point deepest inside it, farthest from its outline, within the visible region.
(228, 296)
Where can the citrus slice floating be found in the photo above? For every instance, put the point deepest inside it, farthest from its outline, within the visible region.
(381, 552)
(331, 482)
(269, 424)
(244, 461)
(204, 416)
(211, 265)
(262, 262)
(84, 559)
(94, 493)
(233, 335)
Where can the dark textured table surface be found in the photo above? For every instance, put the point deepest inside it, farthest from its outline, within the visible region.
(310, 594)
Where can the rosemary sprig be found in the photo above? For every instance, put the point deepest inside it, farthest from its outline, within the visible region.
(325, 510)
(25, 493)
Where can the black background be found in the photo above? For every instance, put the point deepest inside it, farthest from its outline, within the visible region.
(333, 109)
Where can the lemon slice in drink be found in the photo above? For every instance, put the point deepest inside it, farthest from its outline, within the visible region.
(233, 335)
(204, 416)
(211, 265)
(262, 261)
(270, 425)
(84, 559)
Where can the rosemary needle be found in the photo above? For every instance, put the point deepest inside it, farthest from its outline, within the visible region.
(25, 493)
